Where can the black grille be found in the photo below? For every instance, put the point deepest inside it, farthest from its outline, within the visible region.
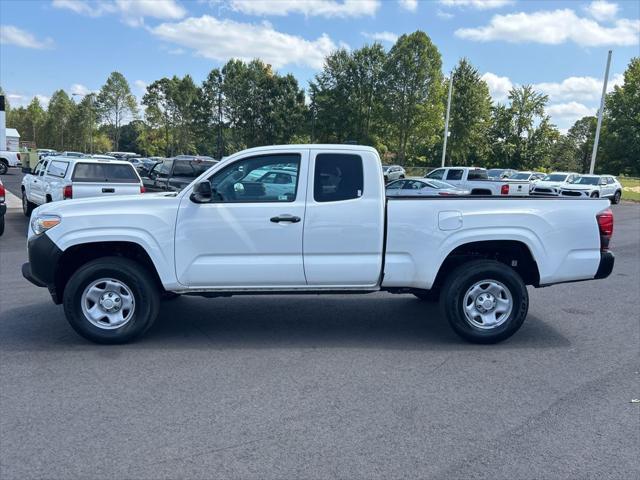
(571, 194)
(542, 190)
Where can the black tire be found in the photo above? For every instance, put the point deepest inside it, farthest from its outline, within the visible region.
(27, 206)
(616, 197)
(595, 195)
(460, 282)
(1, 225)
(4, 167)
(386, 179)
(143, 288)
(428, 295)
(401, 177)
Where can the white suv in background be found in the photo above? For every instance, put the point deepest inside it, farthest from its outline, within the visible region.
(393, 172)
(551, 184)
(594, 186)
(64, 178)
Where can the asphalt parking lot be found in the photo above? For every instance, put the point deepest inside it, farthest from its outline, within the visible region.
(365, 387)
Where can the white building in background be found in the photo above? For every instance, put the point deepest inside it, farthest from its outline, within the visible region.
(13, 140)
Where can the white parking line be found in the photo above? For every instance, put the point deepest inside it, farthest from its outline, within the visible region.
(13, 202)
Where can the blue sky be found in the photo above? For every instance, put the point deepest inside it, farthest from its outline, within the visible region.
(74, 44)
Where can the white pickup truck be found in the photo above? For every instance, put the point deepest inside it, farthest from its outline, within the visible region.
(109, 261)
(477, 181)
(63, 178)
(8, 159)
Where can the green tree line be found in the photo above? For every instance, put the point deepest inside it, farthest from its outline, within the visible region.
(393, 100)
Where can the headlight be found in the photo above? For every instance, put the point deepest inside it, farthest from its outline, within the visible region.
(42, 223)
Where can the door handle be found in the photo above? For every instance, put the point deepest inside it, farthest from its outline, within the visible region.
(285, 218)
(108, 190)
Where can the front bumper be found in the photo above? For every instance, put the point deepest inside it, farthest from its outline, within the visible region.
(44, 257)
(607, 259)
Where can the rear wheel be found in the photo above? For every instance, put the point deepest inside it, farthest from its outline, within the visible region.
(27, 206)
(4, 167)
(111, 300)
(616, 197)
(485, 301)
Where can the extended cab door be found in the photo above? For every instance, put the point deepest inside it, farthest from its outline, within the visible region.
(37, 184)
(344, 223)
(250, 235)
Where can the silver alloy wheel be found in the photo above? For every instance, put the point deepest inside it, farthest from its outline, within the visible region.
(107, 303)
(487, 304)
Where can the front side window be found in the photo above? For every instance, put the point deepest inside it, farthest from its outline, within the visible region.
(58, 169)
(436, 174)
(162, 169)
(38, 168)
(338, 176)
(266, 178)
(454, 174)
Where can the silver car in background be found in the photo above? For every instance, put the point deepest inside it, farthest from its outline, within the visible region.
(420, 188)
(393, 172)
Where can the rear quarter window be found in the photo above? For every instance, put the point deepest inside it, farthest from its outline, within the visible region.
(105, 172)
(337, 177)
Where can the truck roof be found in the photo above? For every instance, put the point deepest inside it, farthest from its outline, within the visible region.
(312, 146)
(87, 160)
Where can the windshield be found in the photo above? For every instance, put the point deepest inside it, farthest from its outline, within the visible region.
(587, 181)
(520, 176)
(555, 177)
(385, 169)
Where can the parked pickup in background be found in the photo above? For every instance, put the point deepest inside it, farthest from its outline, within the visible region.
(172, 174)
(477, 181)
(110, 260)
(63, 178)
(8, 159)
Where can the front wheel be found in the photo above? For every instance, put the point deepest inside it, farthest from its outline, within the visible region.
(485, 301)
(111, 300)
(616, 198)
(4, 167)
(595, 195)
(27, 206)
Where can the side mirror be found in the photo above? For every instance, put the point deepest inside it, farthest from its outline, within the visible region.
(202, 193)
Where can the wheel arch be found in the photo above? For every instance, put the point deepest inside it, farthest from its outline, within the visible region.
(513, 253)
(78, 255)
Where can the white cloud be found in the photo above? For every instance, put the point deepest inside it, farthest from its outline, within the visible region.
(140, 85)
(602, 10)
(554, 27)
(565, 114)
(310, 8)
(499, 87)
(411, 5)
(132, 12)
(381, 36)
(80, 89)
(44, 100)
(10, 35)
(224, 39)
(444, 15)
(578, 88)
(477, 4)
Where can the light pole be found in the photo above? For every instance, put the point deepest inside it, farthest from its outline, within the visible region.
(90, 95)
(600, 113)
(446, 121)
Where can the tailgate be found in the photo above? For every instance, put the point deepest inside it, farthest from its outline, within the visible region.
(96, 189)
(519, 188)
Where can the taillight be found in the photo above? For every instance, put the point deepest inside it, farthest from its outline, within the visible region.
(605, 225)
(67, 192)
(142, 189)
(504, 189)
(2, 193)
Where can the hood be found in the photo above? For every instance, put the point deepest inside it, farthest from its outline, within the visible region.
(105, 204)
(549, 184)
(573, 186)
